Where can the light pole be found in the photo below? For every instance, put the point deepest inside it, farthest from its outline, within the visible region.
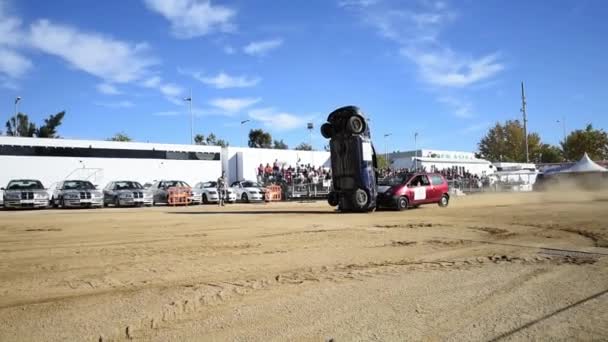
(416, 150)
(563, 122)
(386, 148)
(243, 122)
(17, 99)
(189, 100)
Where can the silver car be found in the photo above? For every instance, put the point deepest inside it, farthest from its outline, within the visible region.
(206, 192)
(160, 190)
(76, 193)
(25, 193)
(126, 193)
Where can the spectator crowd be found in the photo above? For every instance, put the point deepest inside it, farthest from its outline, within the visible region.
(300, 174)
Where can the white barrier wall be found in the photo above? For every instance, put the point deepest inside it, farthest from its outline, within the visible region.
(242, 163)
(100, 171)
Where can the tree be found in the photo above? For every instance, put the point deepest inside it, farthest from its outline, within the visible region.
(280, 145)
(506, 143)
(304, 147)
(383, 163)
(259, 139)
(592, 141)
(210, 140)
(550, 154)
(120, 137)
(20, 126)
(49, 129)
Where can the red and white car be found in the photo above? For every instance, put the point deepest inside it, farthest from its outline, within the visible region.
(410, 190)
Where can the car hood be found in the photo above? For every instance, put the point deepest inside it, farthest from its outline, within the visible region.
(383, 188)
(78, 191)
(128, 191)
(254, 189)
(37, 191)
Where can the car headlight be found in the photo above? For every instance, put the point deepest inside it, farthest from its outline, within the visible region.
(126, 195)
(12, 195)
(253, 192)
(95, 194)
(41, 196)
(71, 196)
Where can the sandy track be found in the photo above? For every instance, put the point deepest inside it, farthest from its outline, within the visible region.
(489, 266)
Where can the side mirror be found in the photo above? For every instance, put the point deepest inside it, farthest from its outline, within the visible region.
(2, 189)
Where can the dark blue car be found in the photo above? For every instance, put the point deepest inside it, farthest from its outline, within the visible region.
(353, 160)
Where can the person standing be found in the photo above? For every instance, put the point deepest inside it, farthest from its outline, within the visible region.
(221, 189)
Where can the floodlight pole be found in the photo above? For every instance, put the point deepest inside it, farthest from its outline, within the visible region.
(386, 147)
(523, 110)
(416, 151)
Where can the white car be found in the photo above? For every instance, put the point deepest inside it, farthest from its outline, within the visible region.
(76, 193)
(206, 192)
(247, 191)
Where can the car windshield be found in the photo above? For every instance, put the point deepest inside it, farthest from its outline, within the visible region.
(210, 185)
(394, 180)
(127, 185)
(78, 185)
(25, 184)
(171, 184)
(250, 184)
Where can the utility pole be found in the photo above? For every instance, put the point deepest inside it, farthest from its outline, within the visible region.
(416, 150)
(17, 99)
(563, 122)
(386, 148)
(523, 110)
(189, 100)
(243, 122)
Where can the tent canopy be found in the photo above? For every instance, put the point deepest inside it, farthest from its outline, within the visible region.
(584, 165)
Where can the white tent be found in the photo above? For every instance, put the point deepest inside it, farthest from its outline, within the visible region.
(585, 165)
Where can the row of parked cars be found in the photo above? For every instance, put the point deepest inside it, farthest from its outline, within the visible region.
(31, 193)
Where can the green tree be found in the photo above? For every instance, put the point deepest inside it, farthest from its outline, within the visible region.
(20, 126)
(505, 142)
(304, 147)
(382, 161)
(259, 139)
(49, 128)
(280, 145)
(592, 141)
(120, 137)
(550, 154)
(210, 140)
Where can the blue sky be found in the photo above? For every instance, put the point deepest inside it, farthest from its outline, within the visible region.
(445, 69)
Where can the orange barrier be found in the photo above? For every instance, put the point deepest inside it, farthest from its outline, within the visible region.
(179, 196)
(273, 193)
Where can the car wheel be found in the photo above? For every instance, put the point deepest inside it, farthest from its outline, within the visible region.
(245, 198)
(205, 200)
(416, 206)
(327, 130)
(62, 203)
(356, 124)
(444, 201)
(116, 202)
(361, 198)
(402, 203)
(53, 203)
(333, 199)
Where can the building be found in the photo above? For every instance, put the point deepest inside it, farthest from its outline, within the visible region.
(440, 160)
(53, 160)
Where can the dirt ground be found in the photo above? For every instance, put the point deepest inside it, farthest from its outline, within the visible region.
(488, 267)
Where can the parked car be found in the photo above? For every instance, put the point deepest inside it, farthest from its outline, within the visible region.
(76, 193)
(25, 193)
(206, 192)
(353, 160)
(408, 190)
(247, 191)
(161, 191)
(126, 193)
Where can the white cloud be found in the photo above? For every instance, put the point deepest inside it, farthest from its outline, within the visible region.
(233, 105)
(193, 18)
(170, 89)
(167, 113)
(152, 82)
(461, 108)
(108, 89)
(416, 28)
(229, 50)
(261, 48)
(225, 81)
(357, 3)
(119, 104)
(12, 64)
(107, 58)
(274, 119)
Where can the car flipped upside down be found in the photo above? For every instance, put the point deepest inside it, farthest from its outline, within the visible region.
(353, 160)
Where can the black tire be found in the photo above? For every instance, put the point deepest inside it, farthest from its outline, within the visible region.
(333, 199)
(62, 203)
(416, 206)
(356, 124)
(444, 201)
(205, 199)
(116, 202)
(402, 203)
(244, 198)
(360, 199)
(54, 203)
(327, 130)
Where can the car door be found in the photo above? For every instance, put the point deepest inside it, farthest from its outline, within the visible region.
(436, 188)
(420, 189)
(159, 192)
(107, 192)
